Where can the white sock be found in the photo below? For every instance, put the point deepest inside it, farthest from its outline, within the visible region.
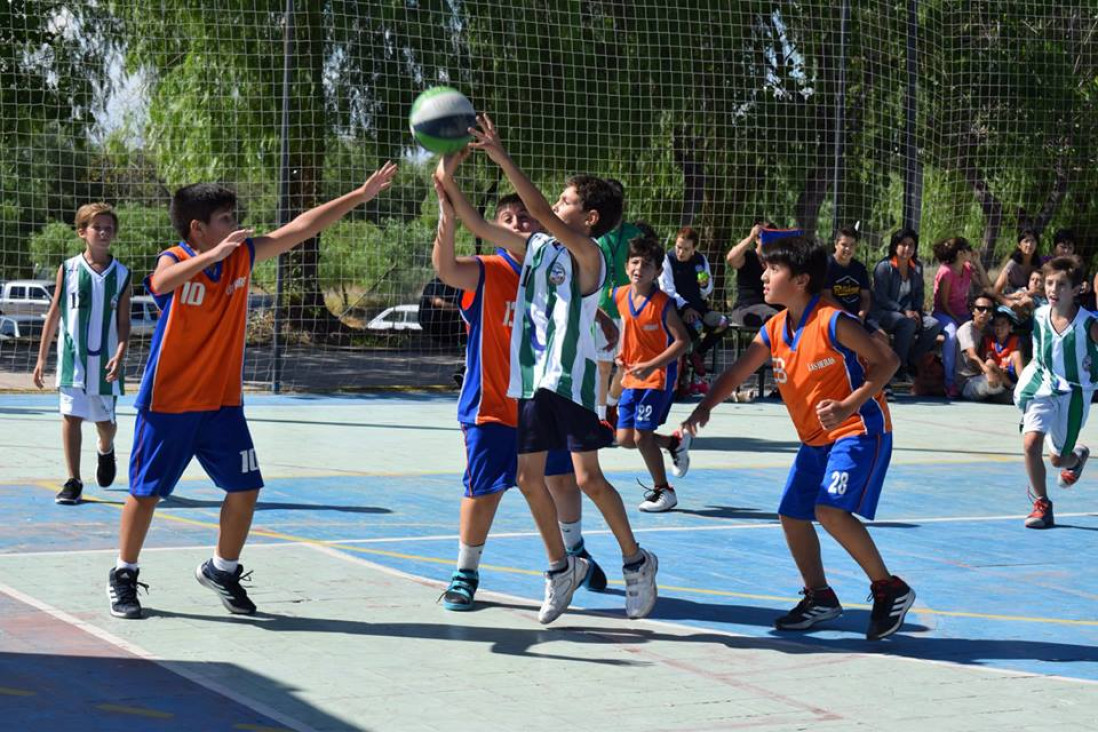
(108, 451)
(225, 565)
(124, 565)
(600, 409)
(469, 556)
(572, 533)
(611, 401)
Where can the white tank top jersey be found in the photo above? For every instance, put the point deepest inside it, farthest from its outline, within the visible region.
(553, 342)
(1062, 362)
(89, 325)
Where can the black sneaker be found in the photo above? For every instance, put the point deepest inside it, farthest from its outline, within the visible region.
(596, 578)
(892, 598)
(816, 607)
(122, 587)
(463, 587)
(227, 586)
(70, 493)
(106, 469)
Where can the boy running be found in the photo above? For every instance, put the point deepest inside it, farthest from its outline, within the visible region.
(1055, 389)
(653, 337)
(92, 302)
(830, 373)
(190, 403)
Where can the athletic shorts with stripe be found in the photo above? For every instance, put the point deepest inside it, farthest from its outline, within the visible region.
(848, 474)
(1059, 417)
(491, 459)
(163, 445)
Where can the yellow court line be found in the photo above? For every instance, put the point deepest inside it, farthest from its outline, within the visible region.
(135, 711)
(8, 691)
(517, 570)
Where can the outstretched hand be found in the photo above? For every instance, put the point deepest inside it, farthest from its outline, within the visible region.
(381, 179)
(697, 419)
(486, 138)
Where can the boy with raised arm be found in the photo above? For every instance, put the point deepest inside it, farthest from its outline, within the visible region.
(830, 373)
(554, 373)
(190, 403)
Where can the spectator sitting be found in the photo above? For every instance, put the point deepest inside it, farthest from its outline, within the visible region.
(977, 378)
(1002, 347)
(750, 309)
(898, 301)
(847, 278)
(686, 279)
(1011, 284)
(952, 283)
(1036, 289)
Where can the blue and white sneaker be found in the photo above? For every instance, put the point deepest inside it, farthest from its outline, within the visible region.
(463, 587)
(227, 586)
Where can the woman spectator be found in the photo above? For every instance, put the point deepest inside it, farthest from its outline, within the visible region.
(952, 284)
(898, 302)
(1013, 281)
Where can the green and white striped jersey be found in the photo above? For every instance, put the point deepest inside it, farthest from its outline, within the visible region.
(1062, 362)
(552, 342)
(89, 325)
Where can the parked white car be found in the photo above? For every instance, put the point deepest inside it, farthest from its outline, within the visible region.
(21, 327)
(26, 297)
(144, 315)
(397, 319)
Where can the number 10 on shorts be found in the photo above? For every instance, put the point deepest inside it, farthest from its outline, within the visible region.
(248, 461)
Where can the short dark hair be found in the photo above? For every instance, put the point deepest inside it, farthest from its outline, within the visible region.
(947, 249)
(801, 256)
(1070, 264)
(1063, 235)
(899, 236)
(848, 231)
(598, 194)
(647, 247)
(198, 202)
(508, 201)
(982, 295)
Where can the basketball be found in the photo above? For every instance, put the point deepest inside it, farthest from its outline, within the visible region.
(441, 118)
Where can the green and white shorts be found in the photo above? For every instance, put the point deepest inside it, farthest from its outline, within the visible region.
(91, 407)
(1060, 417)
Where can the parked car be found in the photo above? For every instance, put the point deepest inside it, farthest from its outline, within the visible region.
(21, 327)
(397, 319)
(144, 315)
(26, 297)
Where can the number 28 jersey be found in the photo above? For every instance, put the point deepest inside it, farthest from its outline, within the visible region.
(810, 365)
(196, 359)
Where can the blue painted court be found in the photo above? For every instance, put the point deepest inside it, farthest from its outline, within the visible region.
(378, 479)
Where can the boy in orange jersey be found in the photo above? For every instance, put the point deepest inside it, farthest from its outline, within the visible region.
(190, 402)
(830, 373)
(653, 338)
(487, 415)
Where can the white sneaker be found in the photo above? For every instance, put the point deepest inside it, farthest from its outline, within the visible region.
(640, 587)
(680, 454)
(559, 588)
(659, 500)
(1070, 476)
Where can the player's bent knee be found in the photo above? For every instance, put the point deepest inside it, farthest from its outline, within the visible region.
(625, 439)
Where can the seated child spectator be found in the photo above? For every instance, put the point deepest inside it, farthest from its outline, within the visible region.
(1002, 348)
(898, 302)
(1011, 284)
(977, 378)
(1036, 289)
(653, 337)
(686, 278)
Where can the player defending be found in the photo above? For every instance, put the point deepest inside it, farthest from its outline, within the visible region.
(92, 303)
(830, 373)
(554, 374)
(487, 415)
(1055, 389)
(653, 338)
(190, 401)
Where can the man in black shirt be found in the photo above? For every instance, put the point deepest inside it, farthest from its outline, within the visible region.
(750, 308)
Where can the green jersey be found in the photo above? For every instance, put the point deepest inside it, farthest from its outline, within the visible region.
(615, 250)
(89, 325)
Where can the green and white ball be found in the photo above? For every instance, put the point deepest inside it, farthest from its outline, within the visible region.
(441, 118)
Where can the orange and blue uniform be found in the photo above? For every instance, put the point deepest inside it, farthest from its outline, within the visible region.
(487, 415)
(645, 403)
(1000, 353)
(843, 467)
(190, 403)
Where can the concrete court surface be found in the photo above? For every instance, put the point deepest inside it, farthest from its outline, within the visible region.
(356, 533)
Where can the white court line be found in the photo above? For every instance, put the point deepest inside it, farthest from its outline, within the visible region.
(128, 647)
(526, 601)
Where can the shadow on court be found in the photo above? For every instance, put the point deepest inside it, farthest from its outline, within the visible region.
(104, 693)
(178, 502)
(743, 444)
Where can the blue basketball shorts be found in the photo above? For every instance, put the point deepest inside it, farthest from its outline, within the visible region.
(847, 474)
(643, 409)
(163, 445)
(491, 459)
(550, 422)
